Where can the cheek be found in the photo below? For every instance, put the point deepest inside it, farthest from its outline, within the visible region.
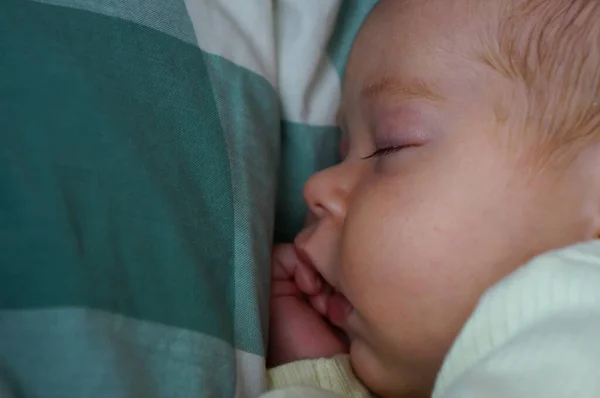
(403, 232)
(398, 273)
(416, 256)
(395, 254)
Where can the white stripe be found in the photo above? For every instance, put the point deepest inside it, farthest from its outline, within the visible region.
(238, 30)
(308, 82)
(250, 382)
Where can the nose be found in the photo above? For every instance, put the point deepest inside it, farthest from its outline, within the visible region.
(327, 196)
(326, 193)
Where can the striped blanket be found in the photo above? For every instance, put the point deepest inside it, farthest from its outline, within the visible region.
(149, 151)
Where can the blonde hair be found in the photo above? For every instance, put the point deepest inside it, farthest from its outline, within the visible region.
(551, 48)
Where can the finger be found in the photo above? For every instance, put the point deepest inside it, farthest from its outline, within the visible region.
(298, 332)
(307, 279)
(283, 262)
(284, 288)
(319, 303)
(287, 265)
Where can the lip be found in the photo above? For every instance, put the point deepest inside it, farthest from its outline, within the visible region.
(339, 310)
(338, 307)
(302, 255)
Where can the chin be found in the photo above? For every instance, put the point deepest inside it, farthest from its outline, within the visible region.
(383, 378)
(371, 372)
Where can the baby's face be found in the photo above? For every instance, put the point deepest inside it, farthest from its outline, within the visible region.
(444, 208)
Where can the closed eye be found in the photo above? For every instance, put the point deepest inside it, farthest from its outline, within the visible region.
(387, 151)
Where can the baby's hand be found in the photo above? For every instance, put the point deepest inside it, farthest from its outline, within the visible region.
(297, 330)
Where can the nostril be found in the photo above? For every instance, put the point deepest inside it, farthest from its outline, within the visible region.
(316, 211)
(317, 191)
(319, 211)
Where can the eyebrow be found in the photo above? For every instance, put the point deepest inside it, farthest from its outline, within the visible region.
(411, 89)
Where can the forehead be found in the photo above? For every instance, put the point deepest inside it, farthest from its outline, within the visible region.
(406, 31)
(423, 44)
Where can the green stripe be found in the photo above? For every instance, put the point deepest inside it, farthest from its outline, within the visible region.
(350, 18)
(168, 17)
(74, 353)
(249, 109)
(305, 150)
(115, 187)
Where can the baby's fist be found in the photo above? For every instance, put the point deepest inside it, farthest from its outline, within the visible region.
(297, 330)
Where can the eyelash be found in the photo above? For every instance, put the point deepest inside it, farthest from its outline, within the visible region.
(390, 150)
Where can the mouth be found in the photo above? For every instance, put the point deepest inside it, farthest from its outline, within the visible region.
(338, 310)
(337, 307)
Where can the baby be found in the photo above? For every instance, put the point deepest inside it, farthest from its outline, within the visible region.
(471, 148)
